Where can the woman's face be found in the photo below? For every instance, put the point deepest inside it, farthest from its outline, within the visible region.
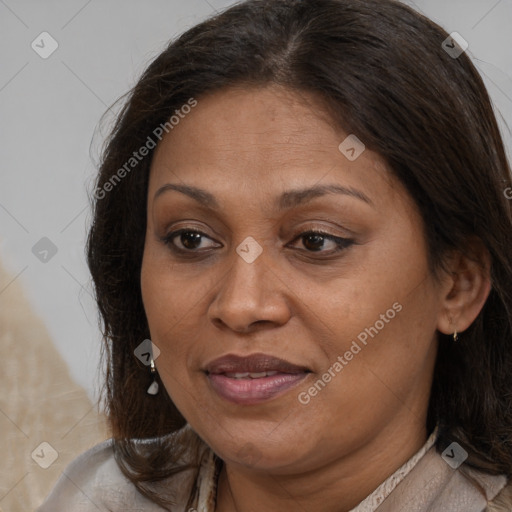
(352, 311)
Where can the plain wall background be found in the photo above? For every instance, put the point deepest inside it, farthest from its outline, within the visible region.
(49, 109)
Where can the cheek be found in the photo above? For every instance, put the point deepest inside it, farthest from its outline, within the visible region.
(163, 312)
(166, 312)
(383, 318)
(385, 361)
(175, 311)
(167, 295)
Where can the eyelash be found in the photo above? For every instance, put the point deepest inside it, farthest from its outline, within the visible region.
(342, 243)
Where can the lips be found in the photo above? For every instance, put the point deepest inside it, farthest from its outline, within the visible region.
(253, 379)
(253, 364)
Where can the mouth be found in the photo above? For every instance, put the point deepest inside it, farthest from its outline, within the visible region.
(253, 379)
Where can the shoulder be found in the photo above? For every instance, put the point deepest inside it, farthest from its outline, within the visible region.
(94, 482)
(503, 501)
(496, 489)
(436, 483)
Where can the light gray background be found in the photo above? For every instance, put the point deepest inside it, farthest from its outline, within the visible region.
(50, 108)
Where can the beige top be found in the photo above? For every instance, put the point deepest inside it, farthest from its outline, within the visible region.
(425, 483)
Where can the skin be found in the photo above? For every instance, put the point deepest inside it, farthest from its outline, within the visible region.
(246, 147)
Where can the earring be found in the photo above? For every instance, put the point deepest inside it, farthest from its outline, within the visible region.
(455, 336)
(153, 388)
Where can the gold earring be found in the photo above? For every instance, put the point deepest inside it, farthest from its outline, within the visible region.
(455, 336)
(153, 388)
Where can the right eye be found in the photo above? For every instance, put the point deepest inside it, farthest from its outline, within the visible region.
(189, 239)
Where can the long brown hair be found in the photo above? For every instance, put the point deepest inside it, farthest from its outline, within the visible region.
(382, 72)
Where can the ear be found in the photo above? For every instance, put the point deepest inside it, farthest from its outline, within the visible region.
(465, 290)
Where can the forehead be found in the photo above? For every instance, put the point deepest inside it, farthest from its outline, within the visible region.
(262, 138)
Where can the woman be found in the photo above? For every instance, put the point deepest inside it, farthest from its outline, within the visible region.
(302, 207)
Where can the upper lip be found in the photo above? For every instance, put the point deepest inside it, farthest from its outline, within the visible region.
(232, 363)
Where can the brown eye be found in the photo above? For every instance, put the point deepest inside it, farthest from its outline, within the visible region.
(315, 241)
(188, 240)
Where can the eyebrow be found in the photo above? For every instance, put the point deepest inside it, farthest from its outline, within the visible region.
(286, 200)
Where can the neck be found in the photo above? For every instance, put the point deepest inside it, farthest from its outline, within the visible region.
(338, 486)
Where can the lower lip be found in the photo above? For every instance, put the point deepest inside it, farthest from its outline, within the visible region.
(252, 391)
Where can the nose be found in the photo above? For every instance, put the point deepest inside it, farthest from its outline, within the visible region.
(250, 296)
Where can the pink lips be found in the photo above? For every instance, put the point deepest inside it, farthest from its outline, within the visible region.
(252, 379)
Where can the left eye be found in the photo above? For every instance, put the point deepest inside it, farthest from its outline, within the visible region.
(314, 241)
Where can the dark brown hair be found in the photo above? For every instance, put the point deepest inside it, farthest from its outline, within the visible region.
(381, 69)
